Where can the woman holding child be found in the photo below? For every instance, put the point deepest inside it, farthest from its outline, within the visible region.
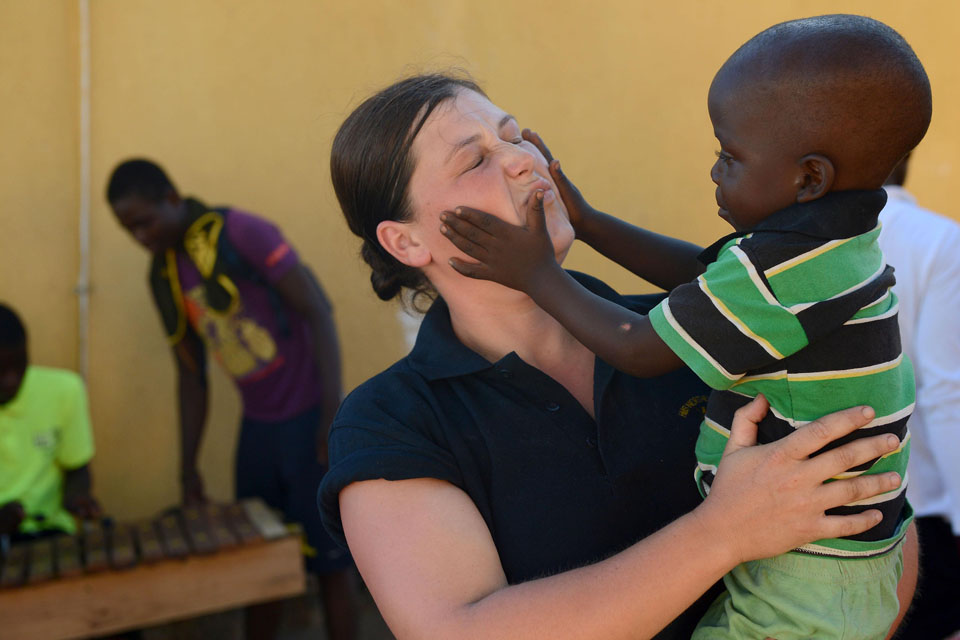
(501, 481)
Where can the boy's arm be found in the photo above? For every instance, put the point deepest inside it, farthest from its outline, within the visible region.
(301, 290)
(190, 356)
(78, 493)
(522, 258)
(661, 260)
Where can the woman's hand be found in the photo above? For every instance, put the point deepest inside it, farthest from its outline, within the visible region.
(519, 257)
(769, 499)
(579, 211)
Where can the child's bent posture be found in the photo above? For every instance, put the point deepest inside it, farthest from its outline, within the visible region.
(812, 116)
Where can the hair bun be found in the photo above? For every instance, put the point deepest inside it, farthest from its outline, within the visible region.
(386, 273)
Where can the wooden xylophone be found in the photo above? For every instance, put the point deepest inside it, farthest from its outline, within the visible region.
(114, 577)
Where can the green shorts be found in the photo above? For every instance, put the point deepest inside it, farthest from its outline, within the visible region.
(797, 595)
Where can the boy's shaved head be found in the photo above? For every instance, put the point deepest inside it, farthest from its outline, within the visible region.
(844, 86)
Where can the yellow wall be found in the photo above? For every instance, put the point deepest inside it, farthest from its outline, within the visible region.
(239, 99)
(39, 173)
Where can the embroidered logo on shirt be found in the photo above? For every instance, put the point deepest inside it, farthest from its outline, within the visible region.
(694, 403)
(46, 440)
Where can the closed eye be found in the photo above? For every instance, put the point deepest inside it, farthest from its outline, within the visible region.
(723, 156)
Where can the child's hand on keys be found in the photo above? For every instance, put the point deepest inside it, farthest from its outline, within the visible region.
(577, 207)
(512, 255)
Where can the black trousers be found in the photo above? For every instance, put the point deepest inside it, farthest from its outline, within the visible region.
(935, 613)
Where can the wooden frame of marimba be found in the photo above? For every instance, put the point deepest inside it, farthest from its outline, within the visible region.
(93, 604)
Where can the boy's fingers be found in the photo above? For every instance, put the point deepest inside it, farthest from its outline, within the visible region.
(469, 269)
(453, 226)
(568, 191)
(534, 138)
(536, 220)
(461, 242)
(479, 219)
(844, 526)
(814, 436)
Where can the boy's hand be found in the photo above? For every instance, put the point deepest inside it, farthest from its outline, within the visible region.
(191, 489)
(83, 506)
(514, 256)
(11, 515)
(577, 207)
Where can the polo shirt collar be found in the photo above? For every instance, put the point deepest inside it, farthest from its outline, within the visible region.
(837, 215)
(438, 352)
(896, 192)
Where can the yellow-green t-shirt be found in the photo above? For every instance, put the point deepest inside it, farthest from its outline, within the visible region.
(44, 431)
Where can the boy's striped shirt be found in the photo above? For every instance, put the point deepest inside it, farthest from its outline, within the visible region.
(801, 310)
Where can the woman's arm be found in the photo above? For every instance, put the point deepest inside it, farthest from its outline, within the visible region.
(427, 556)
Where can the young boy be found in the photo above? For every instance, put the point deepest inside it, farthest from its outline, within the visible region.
(46, 443)
(226, 282)
(812, 115)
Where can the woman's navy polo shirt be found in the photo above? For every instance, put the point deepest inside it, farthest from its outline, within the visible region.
(557, 489)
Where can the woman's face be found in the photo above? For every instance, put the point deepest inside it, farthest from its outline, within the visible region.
(470, 153)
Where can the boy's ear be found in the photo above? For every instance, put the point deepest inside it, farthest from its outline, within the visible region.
(403, 243)
(816, 177)
(172, 197)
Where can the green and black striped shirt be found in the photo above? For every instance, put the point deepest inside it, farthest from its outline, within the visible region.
(801, 310)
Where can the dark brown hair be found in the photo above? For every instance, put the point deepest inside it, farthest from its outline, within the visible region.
(371, 166)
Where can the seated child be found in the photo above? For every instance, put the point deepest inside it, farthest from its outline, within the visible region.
(45, 442)
(812, 116)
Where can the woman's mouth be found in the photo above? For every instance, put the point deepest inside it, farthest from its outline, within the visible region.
(539, 185)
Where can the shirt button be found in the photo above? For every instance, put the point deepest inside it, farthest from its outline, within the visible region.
(505, 373)
(591, 442)
(553, 406)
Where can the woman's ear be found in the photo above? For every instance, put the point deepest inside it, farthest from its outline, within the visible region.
(401, 241)
(816, 177)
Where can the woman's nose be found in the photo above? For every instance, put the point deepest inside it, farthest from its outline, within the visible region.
(517, 160)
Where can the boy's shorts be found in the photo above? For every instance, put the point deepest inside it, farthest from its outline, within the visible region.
(277, 461)
(798, 595)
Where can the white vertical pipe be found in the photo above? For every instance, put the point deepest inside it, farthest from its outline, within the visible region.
(83, 277)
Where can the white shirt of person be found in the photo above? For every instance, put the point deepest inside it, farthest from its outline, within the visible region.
(924, 248)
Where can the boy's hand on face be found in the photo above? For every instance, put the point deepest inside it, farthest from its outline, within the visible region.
(518, 257)
(577, 207)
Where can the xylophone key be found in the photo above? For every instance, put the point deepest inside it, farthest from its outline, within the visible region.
(123, 555)
(148, 541)
(171, 537)
(66, 550)
(95, 547)
(243, 529)
(41, 561)
(263, 519)
(198, 532)
(15, 566)
(219, 529)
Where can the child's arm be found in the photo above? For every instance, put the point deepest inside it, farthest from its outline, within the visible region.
(661, 260)
(522, 258)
